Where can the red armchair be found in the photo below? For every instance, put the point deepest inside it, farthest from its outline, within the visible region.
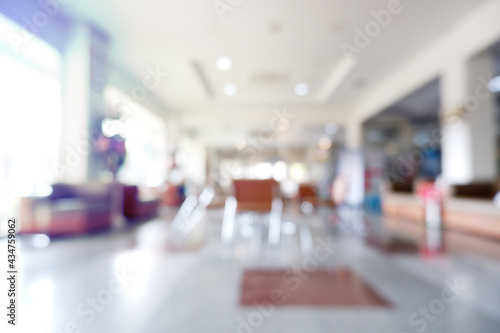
(135, 206)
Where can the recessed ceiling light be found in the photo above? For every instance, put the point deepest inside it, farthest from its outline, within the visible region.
(240, 143)
(230, 89)
(337, 28)
(301, 89)
(331, 128)
(325, 143)
(224, 63)
(275, 27)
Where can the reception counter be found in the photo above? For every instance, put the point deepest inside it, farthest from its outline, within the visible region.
(470, 216)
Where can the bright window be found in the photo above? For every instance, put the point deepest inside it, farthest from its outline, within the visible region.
(145, 136)
(30, 117)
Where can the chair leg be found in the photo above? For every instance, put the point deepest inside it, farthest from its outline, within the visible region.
(187, 208)
(258, 229)
(306, 240)
(275, 222)
(228, 222)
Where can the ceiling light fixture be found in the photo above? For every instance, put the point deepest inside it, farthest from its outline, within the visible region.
(275, 28)
(325, 143)
(301, 89)
(230, 89)
(331, 128)
(240, 143)
(224, 63)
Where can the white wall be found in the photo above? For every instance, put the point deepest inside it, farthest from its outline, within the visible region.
(220, 127)
(475, 33)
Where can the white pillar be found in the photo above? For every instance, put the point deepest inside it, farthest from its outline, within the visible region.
(468, 120)
(73, 156)
(483, 118)
(354, 133)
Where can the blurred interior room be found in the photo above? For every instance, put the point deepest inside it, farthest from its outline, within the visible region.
(251, 166)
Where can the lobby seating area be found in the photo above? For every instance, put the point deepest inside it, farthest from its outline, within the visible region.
(68, 210)
(228, 166)
(87, 208)
(344, 285)
(137, 205)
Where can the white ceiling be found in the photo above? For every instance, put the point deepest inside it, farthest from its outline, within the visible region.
(291, 40)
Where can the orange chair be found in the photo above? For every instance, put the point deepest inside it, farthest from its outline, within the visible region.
(307, 193)
(253, 196)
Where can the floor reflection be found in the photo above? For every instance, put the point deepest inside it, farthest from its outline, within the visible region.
(349, 267)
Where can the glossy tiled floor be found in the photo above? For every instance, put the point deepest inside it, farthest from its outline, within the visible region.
(129, 281)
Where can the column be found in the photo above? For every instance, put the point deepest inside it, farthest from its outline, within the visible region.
(73, 157)
(354, 133)
(468, 120)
